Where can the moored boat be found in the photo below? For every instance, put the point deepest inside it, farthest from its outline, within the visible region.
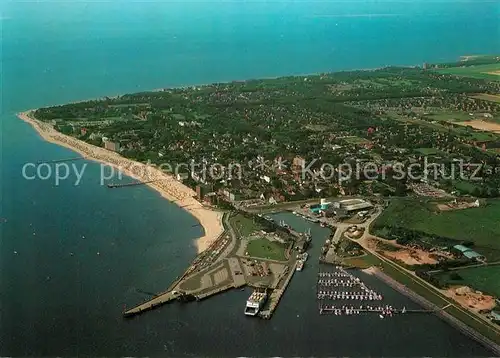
(300, 265)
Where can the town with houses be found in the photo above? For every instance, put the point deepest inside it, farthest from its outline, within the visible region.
(401, 163)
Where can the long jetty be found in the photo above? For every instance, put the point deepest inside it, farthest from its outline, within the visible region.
(169, 295)
(113, 185)
(324, 310)
(60, 160)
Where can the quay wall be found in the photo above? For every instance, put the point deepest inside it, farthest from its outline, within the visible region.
(281, 291)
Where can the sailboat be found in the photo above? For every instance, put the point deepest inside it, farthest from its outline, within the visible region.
(404, 310)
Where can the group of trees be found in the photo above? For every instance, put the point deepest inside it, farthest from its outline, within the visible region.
(287, 117)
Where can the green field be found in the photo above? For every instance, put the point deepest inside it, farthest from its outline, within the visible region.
(423, 290)
(429, 151)
(465, 187)
(485, 279)
(265, 249)
(243, 225)
(433, 296)
(480, 71)
(449, 116)
(435, 121)
(356, 140)
(480, 225)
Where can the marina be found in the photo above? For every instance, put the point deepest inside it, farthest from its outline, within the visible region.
(340, 285)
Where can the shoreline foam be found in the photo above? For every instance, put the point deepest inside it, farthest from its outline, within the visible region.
(169, 188)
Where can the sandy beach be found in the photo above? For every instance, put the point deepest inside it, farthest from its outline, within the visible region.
(165, 184)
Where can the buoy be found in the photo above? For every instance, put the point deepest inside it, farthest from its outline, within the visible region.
(15, 252)
(98, 253)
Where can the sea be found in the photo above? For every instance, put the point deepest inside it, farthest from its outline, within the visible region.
(72, 257)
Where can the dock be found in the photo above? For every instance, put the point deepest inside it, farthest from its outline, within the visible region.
(223, 266)
(153, 303)
(276, 295)
(378, 310)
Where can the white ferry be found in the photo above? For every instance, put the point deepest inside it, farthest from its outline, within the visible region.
(255, 303)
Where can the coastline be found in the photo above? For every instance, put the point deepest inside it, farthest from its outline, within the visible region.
(167, 186)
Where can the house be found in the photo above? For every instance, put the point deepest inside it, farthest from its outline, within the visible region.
(112, 146)
(352, 205)
(211, 198)
(495, 316)
(230, 196)
(299, 162)
(266, 178)
(182, 176)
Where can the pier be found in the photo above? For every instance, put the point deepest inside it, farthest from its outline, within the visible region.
(153, 303)
(380, 310)
(223, 266)
(60, 160)
(276, 295)
(114, 185)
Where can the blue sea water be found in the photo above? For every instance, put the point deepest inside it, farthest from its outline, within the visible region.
(55, 303)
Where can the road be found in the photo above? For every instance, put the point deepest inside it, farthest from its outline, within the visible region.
(410, 274)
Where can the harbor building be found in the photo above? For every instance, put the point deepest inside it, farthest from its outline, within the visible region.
(352, 205)
(340, 208)
(468, 252)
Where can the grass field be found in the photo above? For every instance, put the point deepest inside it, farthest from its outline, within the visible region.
(429, 151)
(356, 140)
(435, 121)
(266, 249)
(485, 279)
(465, 187)
(481, 71)
(243, 225)
(480, 225)
(449, 116)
